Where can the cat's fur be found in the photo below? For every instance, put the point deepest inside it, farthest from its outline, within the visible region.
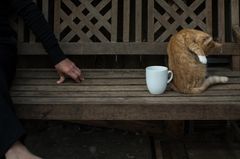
(187, 51)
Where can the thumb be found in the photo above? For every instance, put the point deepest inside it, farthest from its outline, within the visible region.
(61, 79)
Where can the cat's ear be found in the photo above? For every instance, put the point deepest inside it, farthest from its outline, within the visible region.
(207, 40)
(217, 45)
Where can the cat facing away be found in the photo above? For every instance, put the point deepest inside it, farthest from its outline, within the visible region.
(187, 51)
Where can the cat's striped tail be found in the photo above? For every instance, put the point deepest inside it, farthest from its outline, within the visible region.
(210, 81)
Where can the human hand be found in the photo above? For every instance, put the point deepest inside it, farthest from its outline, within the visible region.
(67, 68)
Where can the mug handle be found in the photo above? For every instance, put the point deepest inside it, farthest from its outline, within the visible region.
(171, 76)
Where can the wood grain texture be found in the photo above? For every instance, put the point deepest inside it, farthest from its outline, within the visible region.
(235, 28)
(118, 95)
(122, 94)
(158, 149)
(209, 16)
(221, 21)
(146, 48)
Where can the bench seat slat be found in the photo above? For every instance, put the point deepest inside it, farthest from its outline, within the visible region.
(195, 111)
(93, 82)
(126, 100)
(118, 94)
(79, 88)
(124, 48)
(106, 74)
(88, 81)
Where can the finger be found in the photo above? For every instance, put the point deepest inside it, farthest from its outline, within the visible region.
(74, 76)
(82, 77)
(81, 74)
(76, 72)
(75, 67)
(61, 80)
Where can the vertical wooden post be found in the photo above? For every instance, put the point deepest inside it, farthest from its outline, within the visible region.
(32, 38)
(126, 20)
(138, 35)
(114, 20)
(221, 21)
(158, 149)
(57, 28)
(235, 22)
(45, 9)
(114, 34)
(150, 20)
(209, 16)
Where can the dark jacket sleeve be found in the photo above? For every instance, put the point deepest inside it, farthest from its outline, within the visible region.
(35, 20)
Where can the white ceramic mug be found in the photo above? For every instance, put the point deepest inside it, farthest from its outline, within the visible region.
(157, 78)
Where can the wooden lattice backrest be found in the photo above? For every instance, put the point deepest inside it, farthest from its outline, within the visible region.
(120, 26)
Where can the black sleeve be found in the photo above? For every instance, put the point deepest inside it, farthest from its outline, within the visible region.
(35, 20)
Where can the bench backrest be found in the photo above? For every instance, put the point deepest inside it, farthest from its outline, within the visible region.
(142, 27)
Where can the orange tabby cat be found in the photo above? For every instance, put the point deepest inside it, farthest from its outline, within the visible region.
(187, 52)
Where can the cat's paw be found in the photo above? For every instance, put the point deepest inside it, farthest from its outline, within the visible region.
(202, 59)
(224, 79)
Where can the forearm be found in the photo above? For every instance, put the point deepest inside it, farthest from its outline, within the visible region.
(35, 20)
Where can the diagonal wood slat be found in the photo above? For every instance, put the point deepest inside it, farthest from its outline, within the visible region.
(170, 8)
(85, 13)
(87, 23)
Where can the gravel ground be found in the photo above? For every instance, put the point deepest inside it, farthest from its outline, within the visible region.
(61, 140)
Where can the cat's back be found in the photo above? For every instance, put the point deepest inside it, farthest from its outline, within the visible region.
(181, 36)
(178, 43)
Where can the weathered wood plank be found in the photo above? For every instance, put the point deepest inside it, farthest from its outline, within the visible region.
(126, 20)
(129, 112)
(236, 63)
(45, 9)
(130, 100)
(79, 87)
(211, 69)
(89, 81)
(236, 33)
(138, 34)
(114, 20)
(106, 74)
(235, 12)
(209, 17)
(145, 48)
(158, 149)
(221, 21)
(209, 93)
(32, 37)
(122, 94)
(235, 22)
(57, 27)
(150, 21)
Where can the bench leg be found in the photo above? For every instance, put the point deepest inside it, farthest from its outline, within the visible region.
(236, 63)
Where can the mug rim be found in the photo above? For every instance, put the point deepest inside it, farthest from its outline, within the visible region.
(157, 68)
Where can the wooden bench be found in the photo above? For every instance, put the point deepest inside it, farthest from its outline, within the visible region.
(121, 94)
